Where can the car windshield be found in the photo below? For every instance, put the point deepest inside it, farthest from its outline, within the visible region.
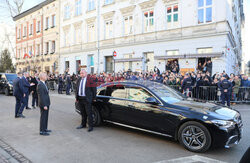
(11, 77)
(166, 93)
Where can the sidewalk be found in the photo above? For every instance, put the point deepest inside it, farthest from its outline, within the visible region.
(10, 155)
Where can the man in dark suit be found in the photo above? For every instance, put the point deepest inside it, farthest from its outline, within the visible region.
(17, 92)
(60, 84)
(24, 86)
(44, 103)
(85, 94)
(68, 84)
(34, 81)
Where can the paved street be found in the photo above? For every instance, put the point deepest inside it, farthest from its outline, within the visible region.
(107, 143)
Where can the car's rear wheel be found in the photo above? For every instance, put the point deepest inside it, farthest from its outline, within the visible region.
(194, 136)
(97, 119)
(7, 92)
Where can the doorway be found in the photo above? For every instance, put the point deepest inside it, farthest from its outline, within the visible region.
(201, 63)
(149, 61)
(109, 64)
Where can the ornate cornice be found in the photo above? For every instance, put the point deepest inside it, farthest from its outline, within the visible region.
(90, 20)
(127, 10)
(108, 15)
(170, 2)
(148, 4)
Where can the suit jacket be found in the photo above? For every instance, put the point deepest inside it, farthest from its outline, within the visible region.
(33, 80)
(43, 95)
(90, 88)
(24, 85)
(17, 91)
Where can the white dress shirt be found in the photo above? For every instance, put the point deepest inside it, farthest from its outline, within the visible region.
(83, 87)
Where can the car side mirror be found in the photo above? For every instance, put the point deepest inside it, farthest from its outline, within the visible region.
(151, 100)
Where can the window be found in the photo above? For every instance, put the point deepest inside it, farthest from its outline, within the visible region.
(31, 29)
(91, 33)
(66, 38)
(149, 21)
(46, 48)
(204, 50)
(106, 2)
(116, 92)
(38, 49)
(47, 23)
(78, 7)
(66, 12)
(30, 51)
(77, 35)
(138, 94)
(24, 31)
(172, 16)
(53, 18)
(38, 26)
(53, 47)
(91, 5)
(204, 11)
(172, 52)
(128, 25)
(19, 33)
(108, 29)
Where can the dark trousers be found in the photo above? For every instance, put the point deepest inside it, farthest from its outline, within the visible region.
(18, 104)
(225, 96)
(24, 103)
(34, 99)
(44, 119)
(28, 94)
(68, 89)
(86, 111)
(60, 87)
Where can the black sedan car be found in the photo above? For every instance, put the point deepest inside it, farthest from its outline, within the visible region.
(156, 108)
(6, 83)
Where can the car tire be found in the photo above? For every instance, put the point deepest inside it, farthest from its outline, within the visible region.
(6, 92)
(194, 136)
(97, 119)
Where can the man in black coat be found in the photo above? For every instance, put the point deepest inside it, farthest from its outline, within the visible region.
(34, 81)
(85, 94)
(24, 86)
(44, 103)
(17, 92)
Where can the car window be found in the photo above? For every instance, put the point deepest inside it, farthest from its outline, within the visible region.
(116, 91)
(138, 94)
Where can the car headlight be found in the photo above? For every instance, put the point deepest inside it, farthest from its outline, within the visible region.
(223, 124)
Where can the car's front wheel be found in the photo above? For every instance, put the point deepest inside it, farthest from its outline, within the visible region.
(194, 136)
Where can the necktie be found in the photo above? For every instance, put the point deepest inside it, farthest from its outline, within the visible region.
(82, 87)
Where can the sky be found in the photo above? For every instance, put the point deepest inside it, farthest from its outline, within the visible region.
(5, 18)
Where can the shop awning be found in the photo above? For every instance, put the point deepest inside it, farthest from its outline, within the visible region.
(128, 60)
(205, 55)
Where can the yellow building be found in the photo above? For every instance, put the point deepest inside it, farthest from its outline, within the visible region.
(37, 38)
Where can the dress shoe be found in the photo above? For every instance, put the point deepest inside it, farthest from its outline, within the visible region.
(17, 116)
(33, 107)
(44, 133)
(48, 131)
(90, 129)
(28, 108)
(81, 126)
(21, 115)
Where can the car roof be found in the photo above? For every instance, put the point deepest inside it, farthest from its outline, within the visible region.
(143, 83)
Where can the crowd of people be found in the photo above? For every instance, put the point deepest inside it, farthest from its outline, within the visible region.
(200, 84)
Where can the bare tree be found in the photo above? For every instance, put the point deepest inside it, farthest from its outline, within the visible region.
(14, 6)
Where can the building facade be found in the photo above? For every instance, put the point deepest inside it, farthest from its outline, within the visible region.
(37, 38)
(148, 33)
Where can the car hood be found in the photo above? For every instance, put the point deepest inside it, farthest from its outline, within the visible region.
(208, 108)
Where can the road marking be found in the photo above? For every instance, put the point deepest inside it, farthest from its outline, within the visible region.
(191, 159)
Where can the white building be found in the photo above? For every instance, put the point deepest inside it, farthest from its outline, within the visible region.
(148, 33)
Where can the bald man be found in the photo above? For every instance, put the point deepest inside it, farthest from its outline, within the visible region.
(85, 94)
(44, 103)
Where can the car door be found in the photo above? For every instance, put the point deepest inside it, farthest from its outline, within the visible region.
(114, 107)
(145, 115)
(1, 83)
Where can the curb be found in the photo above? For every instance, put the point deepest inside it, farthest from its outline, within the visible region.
(13, 153)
